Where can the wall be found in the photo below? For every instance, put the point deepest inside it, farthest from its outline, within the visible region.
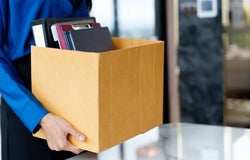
(200, 59)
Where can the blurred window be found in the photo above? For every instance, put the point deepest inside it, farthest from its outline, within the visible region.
(127, 18)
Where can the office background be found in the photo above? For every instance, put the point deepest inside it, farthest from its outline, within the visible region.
(207, 58)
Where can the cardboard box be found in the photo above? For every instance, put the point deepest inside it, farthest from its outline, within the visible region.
(110, 96)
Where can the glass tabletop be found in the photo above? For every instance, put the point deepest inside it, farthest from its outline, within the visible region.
(181, 141)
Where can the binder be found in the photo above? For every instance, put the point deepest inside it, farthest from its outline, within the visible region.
(91, 40)
(41, 29)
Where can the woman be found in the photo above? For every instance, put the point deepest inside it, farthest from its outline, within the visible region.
(21, 113)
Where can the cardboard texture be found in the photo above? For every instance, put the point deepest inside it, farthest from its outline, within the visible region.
(110, 96)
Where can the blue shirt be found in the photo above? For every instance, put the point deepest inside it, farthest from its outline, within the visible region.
(15, 41)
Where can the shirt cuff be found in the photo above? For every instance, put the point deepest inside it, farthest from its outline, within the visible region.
(32, 115)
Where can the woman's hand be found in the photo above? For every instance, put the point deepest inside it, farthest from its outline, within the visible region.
(57, 130)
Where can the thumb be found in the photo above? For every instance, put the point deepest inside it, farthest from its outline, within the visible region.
(78, 135)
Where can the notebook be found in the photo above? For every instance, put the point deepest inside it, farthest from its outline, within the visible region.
(91, 40)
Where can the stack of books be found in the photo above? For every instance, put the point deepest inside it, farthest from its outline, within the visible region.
(81, 34)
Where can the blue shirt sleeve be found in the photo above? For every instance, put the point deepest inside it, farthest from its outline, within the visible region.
(21, 100)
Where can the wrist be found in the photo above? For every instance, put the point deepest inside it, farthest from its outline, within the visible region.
(44, 119)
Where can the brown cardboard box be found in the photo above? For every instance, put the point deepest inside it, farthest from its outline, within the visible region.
(110, 96)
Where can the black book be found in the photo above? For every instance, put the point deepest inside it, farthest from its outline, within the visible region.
(41, 29)
(91, 40)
